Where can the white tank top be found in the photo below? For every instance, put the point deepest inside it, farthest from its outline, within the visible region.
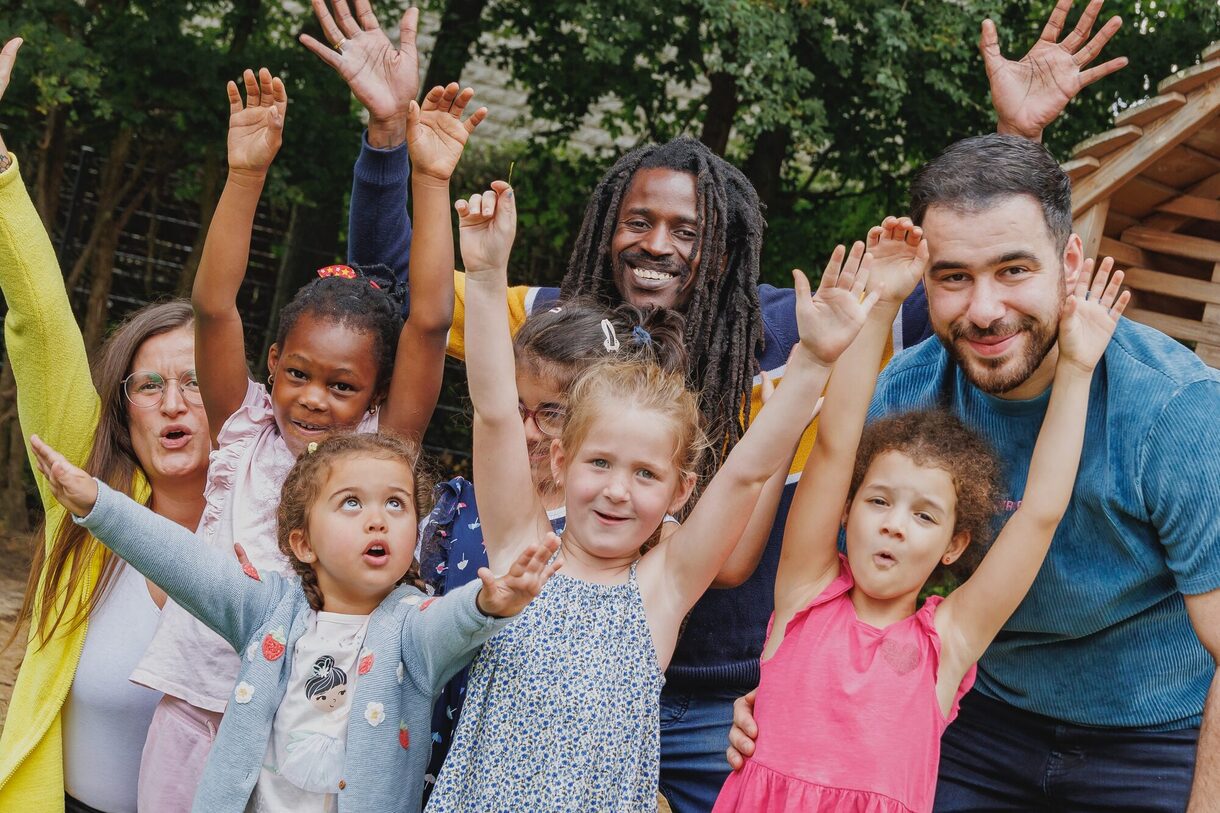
(106, 716)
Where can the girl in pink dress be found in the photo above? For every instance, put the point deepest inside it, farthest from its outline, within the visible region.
(857, 685)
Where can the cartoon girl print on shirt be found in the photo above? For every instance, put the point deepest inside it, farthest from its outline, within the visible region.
(315, 760)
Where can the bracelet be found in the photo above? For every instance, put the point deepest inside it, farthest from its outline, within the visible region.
(6, 161)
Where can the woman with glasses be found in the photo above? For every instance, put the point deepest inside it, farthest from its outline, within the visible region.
(550, 351)
(76, 725)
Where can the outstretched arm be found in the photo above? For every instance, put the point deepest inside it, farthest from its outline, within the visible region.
(971, 617)
(255, 133)
(1030, 93)
(208, 584)
(510, 510)
(809, 559)
(436, 136)
(828, 323)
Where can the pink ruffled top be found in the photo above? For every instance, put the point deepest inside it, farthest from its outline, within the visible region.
(245, 474)
(848, 718)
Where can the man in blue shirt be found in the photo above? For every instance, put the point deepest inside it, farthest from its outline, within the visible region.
(1093, 695)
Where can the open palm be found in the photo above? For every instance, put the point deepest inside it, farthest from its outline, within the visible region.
(899, 258)
(256, 129)
(1030, 92)
(436, 133)
(1090, 315)
(383, 78)
(829, 321)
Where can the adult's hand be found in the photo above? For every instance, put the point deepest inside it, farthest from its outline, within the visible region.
(385, 79)
(8, 56)
(1029, 93)
(743, 733)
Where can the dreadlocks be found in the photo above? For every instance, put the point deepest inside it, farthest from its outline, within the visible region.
(723, 319)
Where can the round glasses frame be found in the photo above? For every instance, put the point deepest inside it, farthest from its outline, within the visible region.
(548, 419)
(188, 388)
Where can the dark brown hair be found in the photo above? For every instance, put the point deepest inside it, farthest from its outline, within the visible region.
(937, 438)
(310, 472)
(66, 560)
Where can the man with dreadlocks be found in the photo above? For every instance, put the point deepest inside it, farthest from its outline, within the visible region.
(677, 226)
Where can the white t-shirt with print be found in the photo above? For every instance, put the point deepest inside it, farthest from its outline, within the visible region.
(304, 761)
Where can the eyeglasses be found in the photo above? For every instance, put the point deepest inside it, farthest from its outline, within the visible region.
(146, 389)
(548, 419)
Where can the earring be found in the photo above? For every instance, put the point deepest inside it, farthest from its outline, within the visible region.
(948, 560)
(271, 381)
(373, 409)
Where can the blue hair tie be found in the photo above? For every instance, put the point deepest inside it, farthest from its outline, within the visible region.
(641, 335)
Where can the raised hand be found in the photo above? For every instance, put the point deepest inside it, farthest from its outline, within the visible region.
(900, 257)
(1029, 93)
(436, 134)
(507, 595)
(487, 224)
(829, 321)
(8, 55)
(383, 78)
(256, 129)
(1090, 315)
(72, 486)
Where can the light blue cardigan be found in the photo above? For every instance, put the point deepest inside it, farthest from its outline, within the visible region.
(417, 644)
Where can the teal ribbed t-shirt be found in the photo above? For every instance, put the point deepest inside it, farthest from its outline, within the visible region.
(1103, 637)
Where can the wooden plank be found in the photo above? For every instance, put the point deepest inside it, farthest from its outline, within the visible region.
(1176, 245)
(1156, 142)
(1207, 188)
(1188, 79)
(1191, 206)
(1175, 326)
(1122, 253)
(1210, 351)
(1150, 110)
(1090, 226)
(1105, 143)
(1196, 290)
(1079, 167)
(1211, 52)
(1207, 140)
(1140, 196)
(1182, 167)
(1117, 223)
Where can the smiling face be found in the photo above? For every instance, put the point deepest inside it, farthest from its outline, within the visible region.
(325, 375)
(620, 482)
(170, 440)
(360, 532)
(653, 248)
(330, 699)
(900, 525)
(996, 285)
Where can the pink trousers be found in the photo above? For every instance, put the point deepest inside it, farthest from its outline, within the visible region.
(179, 739)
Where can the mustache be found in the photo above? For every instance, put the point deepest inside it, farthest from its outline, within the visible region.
(996, 330)
(672, 264)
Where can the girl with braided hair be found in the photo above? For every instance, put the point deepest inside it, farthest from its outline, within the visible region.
(341, 660)
(337, 366)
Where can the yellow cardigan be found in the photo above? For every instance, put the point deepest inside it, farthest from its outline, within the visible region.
(57, 401)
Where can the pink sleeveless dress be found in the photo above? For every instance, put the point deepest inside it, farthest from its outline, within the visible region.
(847, 714)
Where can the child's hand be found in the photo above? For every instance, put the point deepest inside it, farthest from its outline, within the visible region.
(829, 321)
(256, 130)
(436, 134)
(507, 595)
(8, 56)
(487, 224)
(1090, 315)
(900, 256)
(74, 489)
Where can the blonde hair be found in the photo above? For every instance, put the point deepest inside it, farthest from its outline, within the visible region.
(309, 473)
(644, 385)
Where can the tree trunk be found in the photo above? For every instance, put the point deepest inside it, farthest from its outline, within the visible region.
(461, 25)
(765, 163)
(722, 104)
(207, 200)
(13, 515)
(52, 158)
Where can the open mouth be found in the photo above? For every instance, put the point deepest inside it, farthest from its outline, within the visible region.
(310, 428)
(175, 436)
(376, 554)
(651, 274)
(884, 559)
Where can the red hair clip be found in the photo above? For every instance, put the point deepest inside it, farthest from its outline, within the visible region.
(345, 271)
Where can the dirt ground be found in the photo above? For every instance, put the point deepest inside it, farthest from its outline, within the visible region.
(14, 565)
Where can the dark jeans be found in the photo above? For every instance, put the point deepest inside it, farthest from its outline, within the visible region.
(694, 736)
(995, 757)
(73, 806)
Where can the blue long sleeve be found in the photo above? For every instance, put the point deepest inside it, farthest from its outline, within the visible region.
(379, 228)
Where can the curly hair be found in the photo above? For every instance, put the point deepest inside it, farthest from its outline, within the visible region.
(308, 475)
(724, 328)
(371, 303)
(936, 438)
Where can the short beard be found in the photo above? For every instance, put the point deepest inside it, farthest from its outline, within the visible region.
(989, 375)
